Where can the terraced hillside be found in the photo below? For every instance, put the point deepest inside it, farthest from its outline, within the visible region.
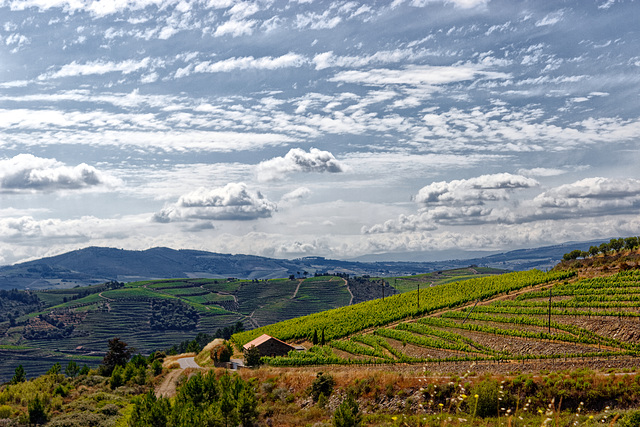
(517, 317)
(149, 315)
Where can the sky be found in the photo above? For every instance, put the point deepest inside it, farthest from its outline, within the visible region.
(292, 128)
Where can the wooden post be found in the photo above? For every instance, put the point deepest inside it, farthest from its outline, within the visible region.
(550, 309)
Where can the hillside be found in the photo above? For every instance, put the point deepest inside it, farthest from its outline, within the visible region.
(522, 348)
(585, 311)
(75, 323)
(96, 265)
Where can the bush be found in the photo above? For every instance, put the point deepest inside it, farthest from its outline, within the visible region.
(347, 414)
(632, 419)
(323, 384)
(37, 412)
(5, 411)
(487, 402)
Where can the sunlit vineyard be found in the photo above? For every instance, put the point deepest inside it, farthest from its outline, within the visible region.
(518, 317)
(348, 320)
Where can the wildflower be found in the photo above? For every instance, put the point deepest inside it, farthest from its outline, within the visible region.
(464, 396)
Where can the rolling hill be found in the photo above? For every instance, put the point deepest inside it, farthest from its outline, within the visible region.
(96, 265)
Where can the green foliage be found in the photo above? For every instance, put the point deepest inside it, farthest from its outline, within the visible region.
(173, 314)
(252, 356)
(247, 407)
(55, 369)
(72, 369)
(347, 320)
(149, 411)
(19, 375)
(632, 419)
(117, 377)
(84, 370)
(37, 412)
(347, 414)
(202, 400)
(322, 384)
(487, 401)
(222, 353)
(117, 355)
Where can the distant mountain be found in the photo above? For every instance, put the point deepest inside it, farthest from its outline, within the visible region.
(97, 265)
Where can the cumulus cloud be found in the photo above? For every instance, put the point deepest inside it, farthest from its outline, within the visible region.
(589, 197)
(234, 201)
(26, 172)
(297, 194)
(475, 190)
(297, 160)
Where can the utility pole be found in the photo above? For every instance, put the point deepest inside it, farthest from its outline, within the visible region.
(550, 309)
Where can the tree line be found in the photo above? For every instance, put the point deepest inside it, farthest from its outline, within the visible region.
(613, 246)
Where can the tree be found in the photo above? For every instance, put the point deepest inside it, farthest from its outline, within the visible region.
(117, 379)
(616, 244)
(252, 356)
(630, 243)
(37, 411)
(221, 353)
(315, 337)
(19, 375)
(117, 355)
(322, 341)
(72, 369)
(247, 407)
(594, 250)
(347, 414)
(55, 369)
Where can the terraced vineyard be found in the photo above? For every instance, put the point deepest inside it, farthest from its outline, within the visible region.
(518, 317)
(78, 322)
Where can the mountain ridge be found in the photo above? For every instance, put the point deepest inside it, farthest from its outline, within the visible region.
(96, 264)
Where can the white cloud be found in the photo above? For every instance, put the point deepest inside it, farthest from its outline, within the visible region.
(551, 19)
(474, 190)
(234, 201)
(329, 59)
(315, 21)
(236, 28)
(417, 75)
(26, 172)
(297, 160)
(249, 62)
(592, 196)
(97, 68)
(297, 194)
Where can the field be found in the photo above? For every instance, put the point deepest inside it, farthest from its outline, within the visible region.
(534, 320)
(78, 322)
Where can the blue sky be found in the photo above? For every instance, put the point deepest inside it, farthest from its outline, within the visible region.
(298, 128)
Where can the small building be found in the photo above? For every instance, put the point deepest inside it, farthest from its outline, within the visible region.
(269, 346)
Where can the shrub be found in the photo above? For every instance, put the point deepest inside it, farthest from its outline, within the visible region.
(5, 411)
(347, 414)
(323, 384)
(632, 419)
(487, 402)
(37, 412)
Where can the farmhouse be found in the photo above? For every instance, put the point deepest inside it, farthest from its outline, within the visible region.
(270, 346)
